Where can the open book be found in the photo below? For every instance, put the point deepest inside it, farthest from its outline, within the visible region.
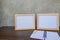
(47, 35)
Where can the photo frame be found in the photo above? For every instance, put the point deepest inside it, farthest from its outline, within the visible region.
(24, 21)
(48, 21)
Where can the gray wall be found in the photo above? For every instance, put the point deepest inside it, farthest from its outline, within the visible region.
(12, 7)
(0, 13)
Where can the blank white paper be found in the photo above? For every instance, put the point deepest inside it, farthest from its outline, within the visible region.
(37, 34)
(47, 21)
(24, 22)
(52, 36)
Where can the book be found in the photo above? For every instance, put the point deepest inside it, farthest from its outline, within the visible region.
(44, 35)
(37, 35)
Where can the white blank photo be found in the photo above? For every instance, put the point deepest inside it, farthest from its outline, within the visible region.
(48, 21)
(24, 22)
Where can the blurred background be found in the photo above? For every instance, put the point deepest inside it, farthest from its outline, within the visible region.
(8, 9)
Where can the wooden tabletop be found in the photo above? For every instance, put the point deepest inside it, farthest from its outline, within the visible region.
(9, 33)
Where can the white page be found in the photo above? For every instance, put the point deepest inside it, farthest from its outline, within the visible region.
(37, 34)
(52, 36)
(24, 22)
(47, 21)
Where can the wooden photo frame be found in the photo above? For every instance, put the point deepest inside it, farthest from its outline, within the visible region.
(24, 21)
(48, 21)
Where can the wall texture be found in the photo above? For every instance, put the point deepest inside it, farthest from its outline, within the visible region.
(12, 7)
(0, 13)
(0, 17)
